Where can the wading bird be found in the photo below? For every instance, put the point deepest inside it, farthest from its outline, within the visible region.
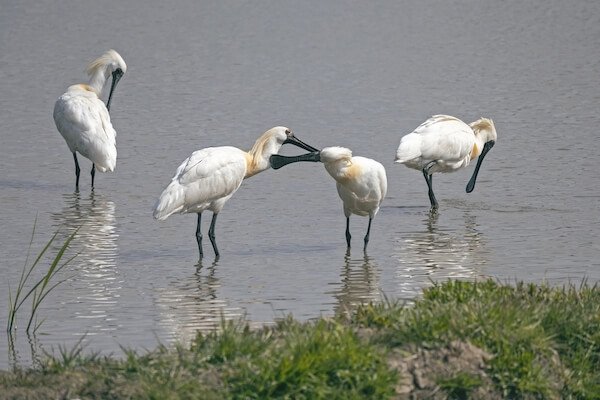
(445, 144)
(83, 120)
(209, 177)
(361, 182)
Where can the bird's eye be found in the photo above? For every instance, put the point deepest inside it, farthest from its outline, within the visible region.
(287, 132)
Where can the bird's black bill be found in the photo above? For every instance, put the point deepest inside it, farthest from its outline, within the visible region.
(278, 161)
(486, 147)
(117, 74)
(297, 142)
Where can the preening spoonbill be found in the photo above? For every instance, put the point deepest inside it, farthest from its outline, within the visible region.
(361, 184)
(83, 120)
(444, 144)
(209, 177)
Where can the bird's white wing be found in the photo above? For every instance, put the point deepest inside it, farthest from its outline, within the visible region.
(211, 173)
(85, 124)
(415, 143)
(208, 176)
(445, 138)
(382, 178)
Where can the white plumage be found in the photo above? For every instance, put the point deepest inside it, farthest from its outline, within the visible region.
(209, 177)
(444, 144)
(83, 120)
(361, 184)
(204, 181)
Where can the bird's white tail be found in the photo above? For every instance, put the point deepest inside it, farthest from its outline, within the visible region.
(171, 200)
(104, 159)
(409, 149)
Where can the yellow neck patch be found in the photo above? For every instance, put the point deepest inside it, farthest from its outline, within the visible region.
(250, 166)
(87, 88)
(475, 152)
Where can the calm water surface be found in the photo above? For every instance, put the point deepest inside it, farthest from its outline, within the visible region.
(347, 73)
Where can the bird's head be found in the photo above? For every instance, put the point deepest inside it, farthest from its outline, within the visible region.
(272, 140)
(270, 143)
(484, 128)
(335, 153)
(109, 63)
(285, 135)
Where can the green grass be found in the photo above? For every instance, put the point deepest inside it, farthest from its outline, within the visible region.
(460, 385)
(39, 290)
(543, 342)
(325, 359)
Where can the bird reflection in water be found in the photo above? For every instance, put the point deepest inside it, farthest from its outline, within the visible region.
(359, 284)
(438, 254)
(97, 285)
(192, 304)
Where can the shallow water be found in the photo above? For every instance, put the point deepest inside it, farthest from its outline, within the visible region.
(337, 73)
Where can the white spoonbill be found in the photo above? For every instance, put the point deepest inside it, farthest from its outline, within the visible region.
(361, 182)
(444, 144)
(209, 177)
(83, 120)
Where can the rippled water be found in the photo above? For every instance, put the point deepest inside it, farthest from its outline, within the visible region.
(354, 74)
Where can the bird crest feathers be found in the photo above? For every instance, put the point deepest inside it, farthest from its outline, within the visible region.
(108, 58)
(335, 153)
(484, 127)
(264, 146)
(260, 143)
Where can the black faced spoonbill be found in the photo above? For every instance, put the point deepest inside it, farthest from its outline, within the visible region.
(361, 182)
(83, 119)
(444, 144)
(209, 177)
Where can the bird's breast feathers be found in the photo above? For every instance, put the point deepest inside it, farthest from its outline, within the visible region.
(349, 174)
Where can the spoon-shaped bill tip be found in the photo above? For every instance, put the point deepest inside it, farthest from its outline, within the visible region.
(277, 161)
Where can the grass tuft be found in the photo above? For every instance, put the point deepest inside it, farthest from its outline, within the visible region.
(39, 290)
(460, 385)
(320, 360)
(544, 341)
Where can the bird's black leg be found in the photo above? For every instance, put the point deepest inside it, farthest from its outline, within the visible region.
(432, 199)
(211, 235)
(368, 232)
(348, 236)
(93, 173)
(429, 180)
(199, 235)
(77, 170)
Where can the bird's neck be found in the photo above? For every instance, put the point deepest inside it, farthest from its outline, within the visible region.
(341, 170)
(480, 141)
(477, 147)
(257, 159)
(255, 164)
(484, 131)
(98, 80)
